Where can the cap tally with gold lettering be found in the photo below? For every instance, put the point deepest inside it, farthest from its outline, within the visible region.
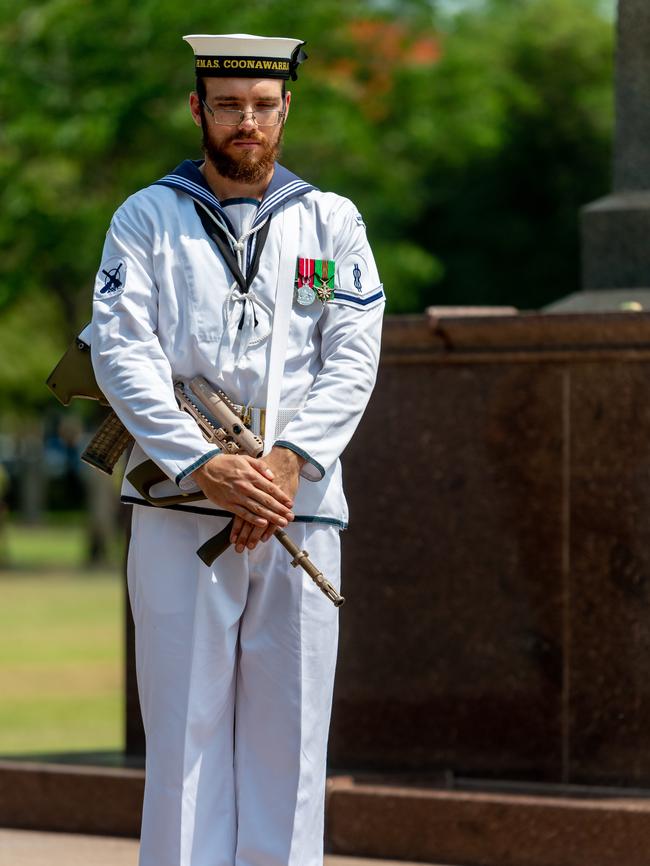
(240, 55)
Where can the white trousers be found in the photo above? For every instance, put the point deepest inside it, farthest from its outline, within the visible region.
(235, 668)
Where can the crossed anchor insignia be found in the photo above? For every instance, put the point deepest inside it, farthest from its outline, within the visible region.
(113, 280)
(357, 277)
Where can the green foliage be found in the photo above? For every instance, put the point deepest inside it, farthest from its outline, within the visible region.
(525, 89)
(30, 338)
(469, 167)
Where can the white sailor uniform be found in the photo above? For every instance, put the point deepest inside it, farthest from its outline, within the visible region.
(235, 662)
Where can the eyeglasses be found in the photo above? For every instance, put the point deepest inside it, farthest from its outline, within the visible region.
(235, 117)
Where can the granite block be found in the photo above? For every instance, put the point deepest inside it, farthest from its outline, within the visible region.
(71, 799)
(451, 642)
(610, 575)
(483, 829)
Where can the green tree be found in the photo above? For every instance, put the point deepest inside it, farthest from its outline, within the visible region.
(468, 141)
(520, 123)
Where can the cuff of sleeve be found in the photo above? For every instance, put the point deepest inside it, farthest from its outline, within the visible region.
(182, 479)
(312, 470)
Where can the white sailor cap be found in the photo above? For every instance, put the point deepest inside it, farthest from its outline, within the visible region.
(241, 55)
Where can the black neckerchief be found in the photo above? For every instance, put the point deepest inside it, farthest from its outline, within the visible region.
(217, 234)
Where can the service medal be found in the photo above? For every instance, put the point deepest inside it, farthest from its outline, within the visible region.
(314, 280)
(324, 280)
(324, 293)
(305, 295)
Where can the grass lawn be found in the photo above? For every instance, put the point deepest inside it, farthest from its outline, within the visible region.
(61, 653)
(57, 544)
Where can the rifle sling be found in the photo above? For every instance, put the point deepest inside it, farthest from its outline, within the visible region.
(216, 545)
(145, 475)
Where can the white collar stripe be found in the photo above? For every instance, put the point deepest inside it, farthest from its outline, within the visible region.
(284, 189)
(195, 188)
(279, 197)
(197, 193)
(287, 189)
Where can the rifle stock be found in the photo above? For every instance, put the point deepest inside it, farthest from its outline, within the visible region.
(74, 377)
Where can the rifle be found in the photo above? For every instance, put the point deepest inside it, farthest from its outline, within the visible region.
(74, 377)
(219, 421)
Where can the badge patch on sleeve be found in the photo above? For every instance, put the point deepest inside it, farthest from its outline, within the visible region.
(314, 281)
(111, 278)
(358, 284)
(356, 271)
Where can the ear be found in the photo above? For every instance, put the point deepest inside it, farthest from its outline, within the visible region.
(287, 103)
(195, 107)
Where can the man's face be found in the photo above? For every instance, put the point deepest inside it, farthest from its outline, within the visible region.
(243, 153)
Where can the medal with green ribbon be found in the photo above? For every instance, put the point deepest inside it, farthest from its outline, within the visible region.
(314, 280)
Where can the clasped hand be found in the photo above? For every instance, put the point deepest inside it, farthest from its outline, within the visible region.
(259, 492)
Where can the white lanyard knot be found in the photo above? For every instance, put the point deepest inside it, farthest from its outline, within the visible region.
(241, 312)
(242, 326)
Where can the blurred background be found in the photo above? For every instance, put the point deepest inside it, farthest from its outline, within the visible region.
(468, 132)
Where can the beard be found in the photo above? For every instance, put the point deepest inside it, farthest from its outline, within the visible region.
(251, 166)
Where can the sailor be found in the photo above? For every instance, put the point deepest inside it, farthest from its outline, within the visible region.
(235, 269)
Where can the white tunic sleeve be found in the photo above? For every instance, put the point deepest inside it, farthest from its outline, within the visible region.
(130, 365)
(350, 328)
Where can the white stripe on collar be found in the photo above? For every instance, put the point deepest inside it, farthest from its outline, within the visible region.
(293, 186)
(194, 189)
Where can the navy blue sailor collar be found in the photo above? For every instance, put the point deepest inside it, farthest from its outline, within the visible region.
(188, 179)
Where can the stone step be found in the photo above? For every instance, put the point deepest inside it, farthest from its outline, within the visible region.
(373, 817)
(489, 828)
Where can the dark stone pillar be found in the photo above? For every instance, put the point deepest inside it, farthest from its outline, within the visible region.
(616, 229)
(632, 159)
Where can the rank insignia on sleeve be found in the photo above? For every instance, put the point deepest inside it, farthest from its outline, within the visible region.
(314, 281)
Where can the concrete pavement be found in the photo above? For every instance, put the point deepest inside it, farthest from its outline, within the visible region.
(28, 848)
